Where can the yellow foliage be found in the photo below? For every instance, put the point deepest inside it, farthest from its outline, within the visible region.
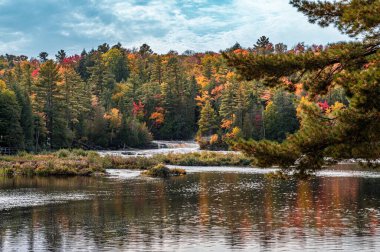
(235, 133)
(2, 85)
(230, 76)
(201, 100)
(334, 109)
(202, 81)
(114, 117)
(120, 91)
(303, 103)
(94, 101)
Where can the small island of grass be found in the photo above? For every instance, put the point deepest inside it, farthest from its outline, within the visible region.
(161, 171)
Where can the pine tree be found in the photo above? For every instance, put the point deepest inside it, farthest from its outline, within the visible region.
(76, 97)
(60, 56)
(280, 117)
(102, 82)
(227, 105)
(11, 134)
(117, 63)
(26, 117)
(49, 99)
(263, 46)
(208, 120)
(43, 56)
(26, 78)
(340, 132)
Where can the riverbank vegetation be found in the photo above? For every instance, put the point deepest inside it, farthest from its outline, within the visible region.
(206, 158)
(60, 163)
(161, 171)
(85, 163)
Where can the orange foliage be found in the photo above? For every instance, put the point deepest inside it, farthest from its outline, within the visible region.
(217, 92)
(214, 139)
(226, 124)
(201, 99)
(158, 116)
(241, 51)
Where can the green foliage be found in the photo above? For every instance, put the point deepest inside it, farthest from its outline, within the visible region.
(353, 18)
(340, 130)
(117, 63)
(208, 120)
(280, 117)
(10, 128)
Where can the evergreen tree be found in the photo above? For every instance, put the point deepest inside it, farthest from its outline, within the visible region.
(11, 134)
(49, 99)
(280, 117)
(227, 107)
(117, 64)
(26, 79)
(76, 97)
(102, 82)
(208, 120)
(43, 56)
(26, 117)
(60, 56)
(263, 46)
(340, 131)
(84, 64)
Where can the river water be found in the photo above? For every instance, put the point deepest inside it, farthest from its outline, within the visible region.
(210, 209)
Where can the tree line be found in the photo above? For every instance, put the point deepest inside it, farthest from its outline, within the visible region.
(114, 97)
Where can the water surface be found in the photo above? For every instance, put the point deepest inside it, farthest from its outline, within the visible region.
(208, 210)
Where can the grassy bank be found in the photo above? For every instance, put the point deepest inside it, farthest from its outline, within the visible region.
(87, 163)
(205, 158)
(187, 159)
(60, 163)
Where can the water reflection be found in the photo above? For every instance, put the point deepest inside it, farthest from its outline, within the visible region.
(202, 211)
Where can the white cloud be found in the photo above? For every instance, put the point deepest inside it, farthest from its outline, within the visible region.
(167, 24)
(12, 41)
(90, 27)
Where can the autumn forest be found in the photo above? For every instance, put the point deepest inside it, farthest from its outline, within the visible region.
(114, 97)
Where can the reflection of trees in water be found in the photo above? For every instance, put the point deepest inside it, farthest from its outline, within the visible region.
(239, 207)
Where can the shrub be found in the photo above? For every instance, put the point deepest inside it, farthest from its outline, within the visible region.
(63, 153)
(80, 152)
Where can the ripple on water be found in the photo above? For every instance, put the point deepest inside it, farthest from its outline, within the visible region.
(31, 197)
(123, 174)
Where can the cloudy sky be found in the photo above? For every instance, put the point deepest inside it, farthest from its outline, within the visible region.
(31, 26)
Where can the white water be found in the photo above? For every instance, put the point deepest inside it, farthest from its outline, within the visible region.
(165, 147)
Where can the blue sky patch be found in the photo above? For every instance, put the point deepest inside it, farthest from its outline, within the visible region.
(31, 26)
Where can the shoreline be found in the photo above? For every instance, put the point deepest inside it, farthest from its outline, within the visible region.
(79, 162)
